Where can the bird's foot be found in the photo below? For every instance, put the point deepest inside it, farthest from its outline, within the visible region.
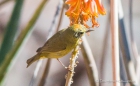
(62, 64)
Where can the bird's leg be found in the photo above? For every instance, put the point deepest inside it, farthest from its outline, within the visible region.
(62, 64)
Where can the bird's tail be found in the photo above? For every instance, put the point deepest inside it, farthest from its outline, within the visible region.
(33, 59)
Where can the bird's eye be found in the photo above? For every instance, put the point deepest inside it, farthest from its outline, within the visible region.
(81, 32)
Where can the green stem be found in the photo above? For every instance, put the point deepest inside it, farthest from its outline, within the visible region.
(20, 39)
(11, 30)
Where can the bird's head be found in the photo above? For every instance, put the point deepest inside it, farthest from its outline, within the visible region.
(79, 30)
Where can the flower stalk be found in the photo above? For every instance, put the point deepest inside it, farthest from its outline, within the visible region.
(71, 67)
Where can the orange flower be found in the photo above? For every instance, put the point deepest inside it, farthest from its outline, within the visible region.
(83, 10)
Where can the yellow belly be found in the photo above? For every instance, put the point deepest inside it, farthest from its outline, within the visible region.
(58, 54)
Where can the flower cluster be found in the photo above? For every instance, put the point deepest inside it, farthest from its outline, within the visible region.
(83, 10)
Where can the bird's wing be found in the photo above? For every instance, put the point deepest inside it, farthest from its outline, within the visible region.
(54, 44)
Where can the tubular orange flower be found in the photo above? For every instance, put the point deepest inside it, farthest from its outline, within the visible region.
(100, 7)
(83, 10)
(94, 23)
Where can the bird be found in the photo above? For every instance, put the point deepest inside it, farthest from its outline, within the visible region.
(60, 43)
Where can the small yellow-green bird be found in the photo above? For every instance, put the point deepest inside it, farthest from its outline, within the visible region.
(60, 43)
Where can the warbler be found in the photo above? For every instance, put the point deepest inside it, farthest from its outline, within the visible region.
(60, 43)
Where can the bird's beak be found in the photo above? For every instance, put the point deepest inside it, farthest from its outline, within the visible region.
(89, 31)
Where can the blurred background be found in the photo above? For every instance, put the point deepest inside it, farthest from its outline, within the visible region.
(99, 42)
